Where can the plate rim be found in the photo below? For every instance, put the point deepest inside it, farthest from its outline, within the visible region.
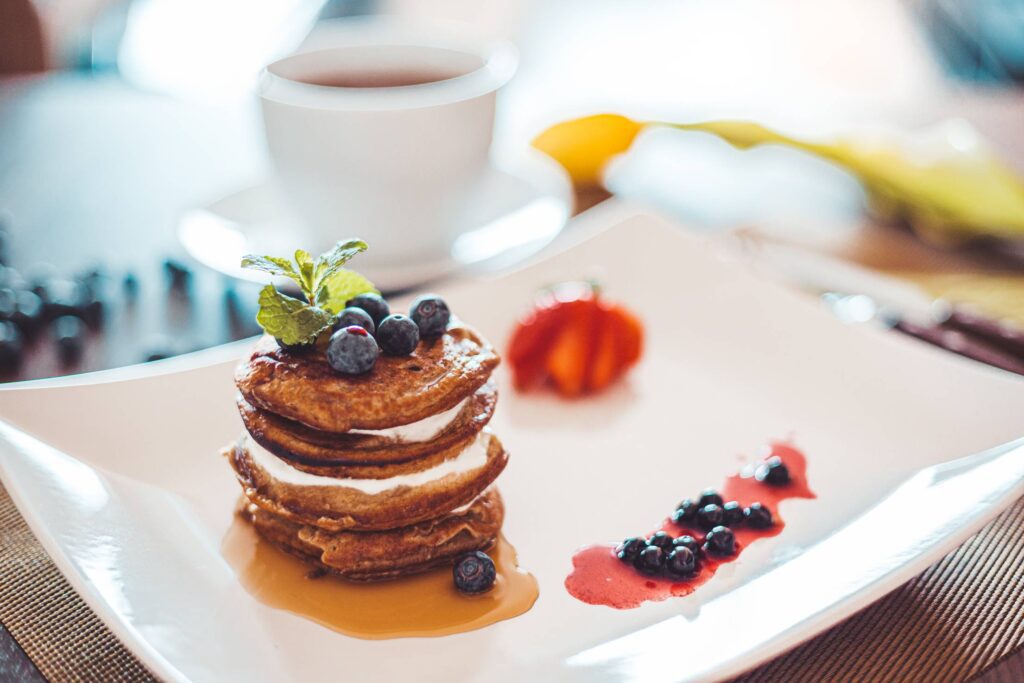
(130, 639)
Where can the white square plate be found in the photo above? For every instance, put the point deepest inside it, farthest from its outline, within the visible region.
(118, 475)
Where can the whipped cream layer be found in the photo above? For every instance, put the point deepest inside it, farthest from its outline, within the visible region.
(423, 430)
(472, 457)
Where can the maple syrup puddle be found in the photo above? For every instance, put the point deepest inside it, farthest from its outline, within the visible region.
(425, 605)
(600, 578)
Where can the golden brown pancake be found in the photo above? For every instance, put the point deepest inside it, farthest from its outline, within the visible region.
(387, 470)
(379, 555)
(301, 386)
(303, 446)
(339, 508)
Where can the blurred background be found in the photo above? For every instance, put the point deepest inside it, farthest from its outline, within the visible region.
(117, 117)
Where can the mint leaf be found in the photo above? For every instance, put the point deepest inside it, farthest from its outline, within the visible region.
(306, 267)
(339, 287)
(271, 264)
(290, 320)
(332, 261)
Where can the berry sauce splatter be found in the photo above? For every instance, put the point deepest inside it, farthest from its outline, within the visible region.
(600, 578)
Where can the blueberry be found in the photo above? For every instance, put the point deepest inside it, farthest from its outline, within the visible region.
(93, 279)
(373, 304)
(758, 516)
(64, 297)
(474, 572)
(355, 316)
(710, 516)
(179, 275)
(39, 277)
(294, 348)
(12, 347)
(352, 351)
(661, 540)
(8, 303)
(28, 312)
(398, 335)
(91, 310)
(710, 497)
(69, 333)
(651, 560)
(720, 541)
(10, 277)
(688, 542)
(732, 513)
(630, 548)
(431, 314)
(686, 513)
(773, 472)
(130, 284)
(681, 562)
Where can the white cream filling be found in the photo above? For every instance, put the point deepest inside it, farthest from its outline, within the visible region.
(473, 457)
(424, 430)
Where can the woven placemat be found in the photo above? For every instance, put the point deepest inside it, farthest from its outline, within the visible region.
(51, 623)
(955, 620)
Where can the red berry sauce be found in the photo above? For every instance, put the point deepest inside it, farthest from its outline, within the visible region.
(599, 578)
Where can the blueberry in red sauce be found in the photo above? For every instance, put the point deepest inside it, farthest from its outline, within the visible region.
(686, 513)
(720, 541)
(651, 560)
(373, 304)
(732, 513)
(474, 572)
(398, 335)
(681, 562)
(630, 548)
(758, 516)
(352, 351)
(773, 472)
(688, 542)
(661, 540)
(709, 497)
(710, 516)
(354, 316)
(431, 314)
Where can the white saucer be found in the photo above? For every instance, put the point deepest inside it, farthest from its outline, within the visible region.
(521, 208)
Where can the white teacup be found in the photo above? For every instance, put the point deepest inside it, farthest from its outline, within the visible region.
(384, 134)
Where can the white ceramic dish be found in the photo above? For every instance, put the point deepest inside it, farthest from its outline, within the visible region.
(518, 209)
(117, 474)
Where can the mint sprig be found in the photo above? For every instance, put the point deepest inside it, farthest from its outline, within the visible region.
(325, 284)
(288, 319)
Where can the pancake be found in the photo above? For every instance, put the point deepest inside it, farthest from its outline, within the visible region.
(450, 451)
(303, 446)
(301, 386)
(375, 556)
(366, 504)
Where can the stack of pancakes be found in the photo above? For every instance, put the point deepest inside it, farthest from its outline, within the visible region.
(373, 476)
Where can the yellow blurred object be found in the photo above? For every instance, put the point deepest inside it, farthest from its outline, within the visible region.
(945, 181)
(584, 146)
(997, 295)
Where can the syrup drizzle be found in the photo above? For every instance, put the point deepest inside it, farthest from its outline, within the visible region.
(423, 605)
(600, 578)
